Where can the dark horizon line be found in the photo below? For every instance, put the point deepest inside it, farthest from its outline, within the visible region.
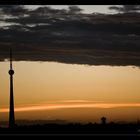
(67, 121)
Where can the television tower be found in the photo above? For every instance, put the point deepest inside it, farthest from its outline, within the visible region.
(11, 109)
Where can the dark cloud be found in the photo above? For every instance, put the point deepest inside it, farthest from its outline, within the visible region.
(14, 10)
(126, 8)
(47, 34)
(74, 9)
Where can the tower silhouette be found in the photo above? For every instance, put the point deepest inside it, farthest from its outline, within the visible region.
(11, 109)
(103, 120)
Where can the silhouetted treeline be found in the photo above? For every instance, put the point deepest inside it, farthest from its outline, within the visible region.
(74, 128)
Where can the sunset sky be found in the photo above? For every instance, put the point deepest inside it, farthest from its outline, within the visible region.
(52, 88)
(67, 69)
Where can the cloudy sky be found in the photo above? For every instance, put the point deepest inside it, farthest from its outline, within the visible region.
(56, 33)
(86, 8)
(75, 63)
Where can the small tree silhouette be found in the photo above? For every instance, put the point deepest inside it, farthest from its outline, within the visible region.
(103, 120)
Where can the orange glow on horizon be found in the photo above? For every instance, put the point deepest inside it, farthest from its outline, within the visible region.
(71, 92)
(66, 106)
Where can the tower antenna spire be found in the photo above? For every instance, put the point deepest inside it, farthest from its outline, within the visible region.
(11, 67)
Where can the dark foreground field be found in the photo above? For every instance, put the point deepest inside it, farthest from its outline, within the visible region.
(74, 129)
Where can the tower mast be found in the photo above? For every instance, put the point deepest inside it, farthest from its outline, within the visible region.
(11, 59)
(11, 109)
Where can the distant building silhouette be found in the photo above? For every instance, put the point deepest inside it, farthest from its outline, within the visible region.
(11, 109)
(138, 122)
(103, 120)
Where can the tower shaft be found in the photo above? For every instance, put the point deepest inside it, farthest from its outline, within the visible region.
(11, 108)
(11, 113)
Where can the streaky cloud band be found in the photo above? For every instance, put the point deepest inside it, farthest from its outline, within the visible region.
(72, 105)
